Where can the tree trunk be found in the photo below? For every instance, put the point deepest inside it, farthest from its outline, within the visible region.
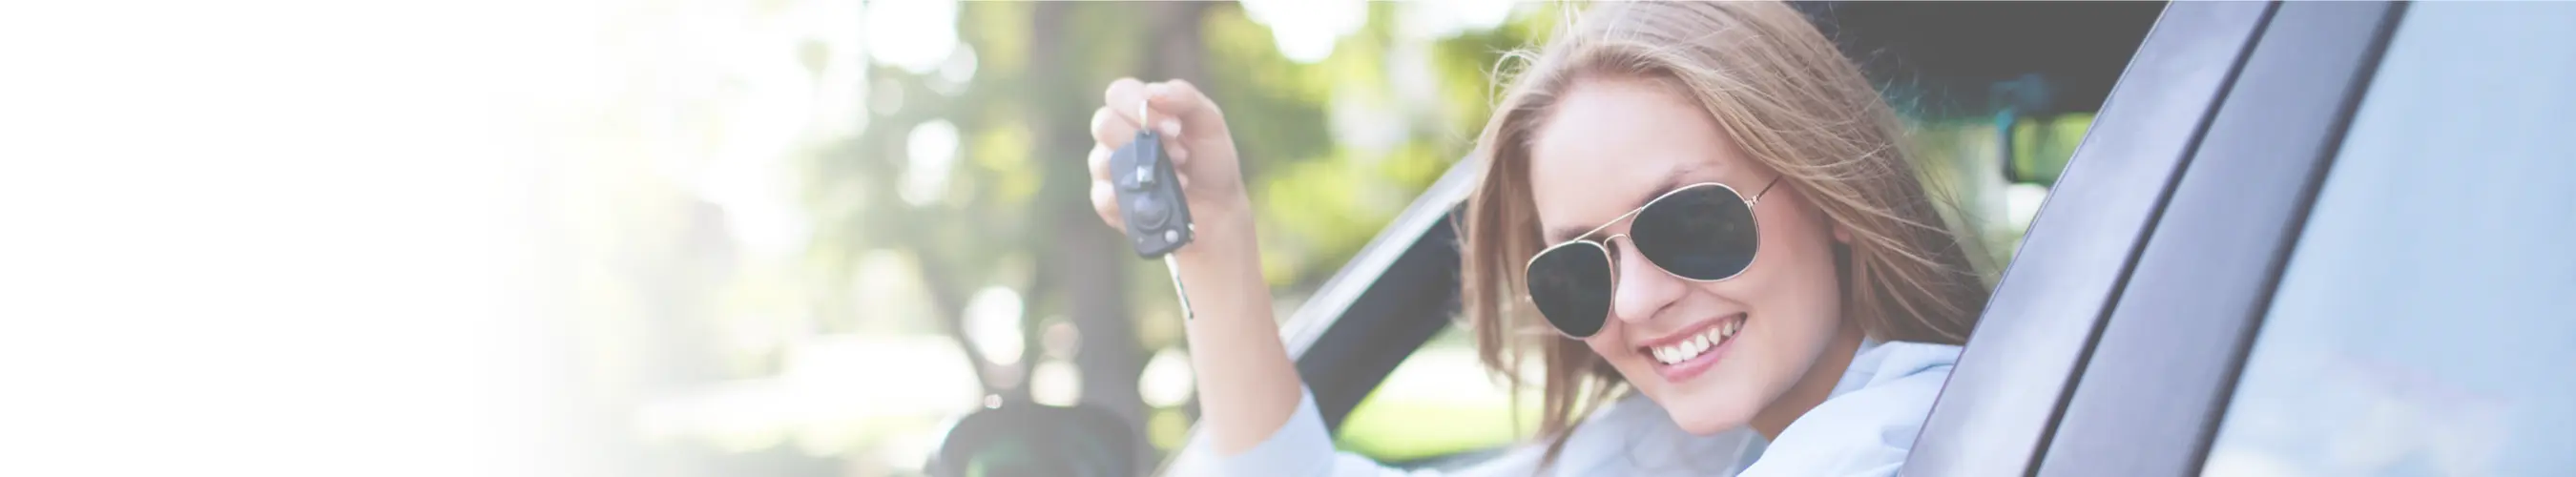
(1083, 256)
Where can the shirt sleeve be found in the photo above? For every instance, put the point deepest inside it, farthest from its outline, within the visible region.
(1302, 448)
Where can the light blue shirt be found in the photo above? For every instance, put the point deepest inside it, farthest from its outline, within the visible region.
(1863, 429)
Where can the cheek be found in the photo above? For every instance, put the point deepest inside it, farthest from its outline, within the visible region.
(1614, 348)
(1797, 289)
(1610, 344)
(1796, 261)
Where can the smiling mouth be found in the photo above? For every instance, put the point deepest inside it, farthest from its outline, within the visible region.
(1698, 344)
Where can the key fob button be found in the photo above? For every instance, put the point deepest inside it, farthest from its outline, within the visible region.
(1150, 213)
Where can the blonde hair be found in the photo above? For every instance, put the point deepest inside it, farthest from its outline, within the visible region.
(1792, 102)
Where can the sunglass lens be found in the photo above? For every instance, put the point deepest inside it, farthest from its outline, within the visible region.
(1704, 232)
(1571, 285)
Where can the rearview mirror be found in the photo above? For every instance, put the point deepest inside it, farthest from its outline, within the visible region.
(1032, 440)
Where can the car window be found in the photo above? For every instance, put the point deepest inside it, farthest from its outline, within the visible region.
(2423, 323)
(1440, 409)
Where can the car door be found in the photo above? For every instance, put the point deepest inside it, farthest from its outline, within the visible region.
(2367, 167)
(1994, 415)
(2422, 323)
(2169, 349)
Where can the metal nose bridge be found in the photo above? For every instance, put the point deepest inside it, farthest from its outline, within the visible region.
(1607, 243)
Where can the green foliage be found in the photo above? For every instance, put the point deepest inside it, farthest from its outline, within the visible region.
(2041, 148)
(1399, 430)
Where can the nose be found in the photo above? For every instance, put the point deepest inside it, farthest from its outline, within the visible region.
(1643, 290)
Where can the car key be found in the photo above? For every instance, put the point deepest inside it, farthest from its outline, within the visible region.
(1149, 196)
(1157, 216)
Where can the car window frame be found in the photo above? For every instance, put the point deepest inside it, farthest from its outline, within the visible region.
(1994, 415)
(1368, 317)
(2150, 397)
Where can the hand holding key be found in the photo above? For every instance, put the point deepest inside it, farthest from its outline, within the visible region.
(1247, 385)
(1149, 196)
(1193, 138)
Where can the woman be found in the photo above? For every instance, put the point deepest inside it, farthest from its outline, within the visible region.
(1697, 217)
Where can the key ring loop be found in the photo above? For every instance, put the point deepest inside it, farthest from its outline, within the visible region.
(1145, 114)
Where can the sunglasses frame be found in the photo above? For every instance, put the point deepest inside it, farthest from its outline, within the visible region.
(1602, 245)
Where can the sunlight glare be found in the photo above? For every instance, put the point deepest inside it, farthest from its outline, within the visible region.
(1307, 30)
(915, 35)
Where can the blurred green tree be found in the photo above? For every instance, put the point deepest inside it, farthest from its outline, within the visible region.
(1333, 150)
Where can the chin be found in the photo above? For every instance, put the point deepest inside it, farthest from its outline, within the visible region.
(1705, 415)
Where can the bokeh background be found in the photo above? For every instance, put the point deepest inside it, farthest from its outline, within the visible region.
(712, 237)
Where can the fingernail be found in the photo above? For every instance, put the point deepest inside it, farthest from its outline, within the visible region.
(1157, 90)
(1171, 128)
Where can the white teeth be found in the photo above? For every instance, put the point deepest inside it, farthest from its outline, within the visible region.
(1695, 345)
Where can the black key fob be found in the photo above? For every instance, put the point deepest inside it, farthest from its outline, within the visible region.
(1149, 197)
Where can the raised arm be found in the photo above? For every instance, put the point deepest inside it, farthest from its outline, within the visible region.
(1247, 385)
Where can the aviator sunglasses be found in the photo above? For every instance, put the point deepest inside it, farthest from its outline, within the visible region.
(1701, 232)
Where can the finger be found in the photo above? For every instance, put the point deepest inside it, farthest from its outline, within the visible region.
(1177, 152)
(1122, 98)
(1184, 102)
(1099, 162)
(1112, 129)
(1105, 201)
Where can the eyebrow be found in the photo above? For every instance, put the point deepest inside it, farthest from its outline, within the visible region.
(1671, 180)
